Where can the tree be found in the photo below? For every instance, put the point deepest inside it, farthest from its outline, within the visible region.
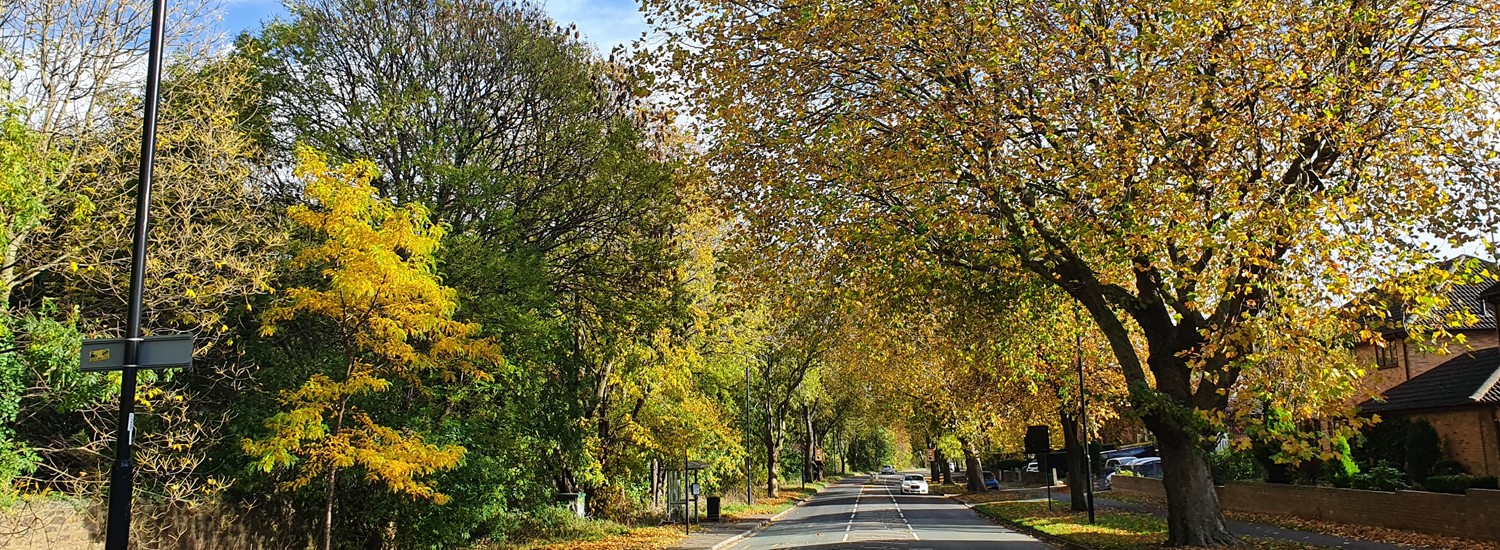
(391, 321)
(1214, 175)
(564, 191)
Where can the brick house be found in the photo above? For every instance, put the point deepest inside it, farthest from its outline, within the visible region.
(1458, 392)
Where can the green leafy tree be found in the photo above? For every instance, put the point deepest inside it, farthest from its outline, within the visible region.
(391, 323)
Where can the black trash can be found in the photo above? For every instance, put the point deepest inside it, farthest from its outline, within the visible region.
(713, 509)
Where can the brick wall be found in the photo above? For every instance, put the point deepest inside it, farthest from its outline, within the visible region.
(1469, 436)
(1475, 515)
(59, 525)
(1415, 362)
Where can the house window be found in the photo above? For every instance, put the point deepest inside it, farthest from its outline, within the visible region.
(1387, 356)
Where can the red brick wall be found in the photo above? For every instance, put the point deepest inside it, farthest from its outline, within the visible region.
(1414, 362)
(1475, 515)
(1469, 436)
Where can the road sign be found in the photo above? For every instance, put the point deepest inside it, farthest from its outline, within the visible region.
(931, 454)
(818, 454)
(157, 352)
(1038, 440)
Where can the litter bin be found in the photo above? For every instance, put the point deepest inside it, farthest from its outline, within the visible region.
(713, 509)
(573, 501)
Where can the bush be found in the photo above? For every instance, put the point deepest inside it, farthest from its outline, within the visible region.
(1341, 470)
(1423, 449)
(553, 523)
(1459, 483)
(1380, 477)
(1384, 442)
(1448, 467)
(1231, 465)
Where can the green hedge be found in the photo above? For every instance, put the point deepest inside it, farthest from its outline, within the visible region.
(1459, 483)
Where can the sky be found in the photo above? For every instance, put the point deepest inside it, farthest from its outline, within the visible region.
(606, 23)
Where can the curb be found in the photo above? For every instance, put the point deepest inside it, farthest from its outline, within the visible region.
(731, 541)
(1044, 537)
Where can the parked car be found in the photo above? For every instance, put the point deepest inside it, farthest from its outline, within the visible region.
(1147, 467)
(887, 470)
(990, 482)
(1116, 465)
(1033, 467)
(914, 484)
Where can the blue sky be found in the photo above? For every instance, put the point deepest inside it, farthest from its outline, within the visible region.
(606, 23)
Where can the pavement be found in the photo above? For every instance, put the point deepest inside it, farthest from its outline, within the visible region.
(1247, 529)
(870, 513)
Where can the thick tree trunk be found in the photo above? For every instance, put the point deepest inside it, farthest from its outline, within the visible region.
(773, 465)
(945, 468)
(973, 467)
(932, 465)
(1193, 514)
(1077, 477)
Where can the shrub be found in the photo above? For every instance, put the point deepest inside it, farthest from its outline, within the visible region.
(1423, 449)
(553, 523)
(1448, 467)
(1340, 470)
(1231, 465)
(1384, 442)
(1459, 483)
(1380, 477)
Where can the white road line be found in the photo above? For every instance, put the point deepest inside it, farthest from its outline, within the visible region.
(897, 505)
(853, 513)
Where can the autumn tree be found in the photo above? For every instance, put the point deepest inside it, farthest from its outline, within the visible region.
(391, 321)
(559, 183)
(1214, 175)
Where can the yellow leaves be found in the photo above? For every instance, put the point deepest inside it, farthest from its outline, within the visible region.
(379, 286)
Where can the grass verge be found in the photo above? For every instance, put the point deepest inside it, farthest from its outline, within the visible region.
(1111, 531)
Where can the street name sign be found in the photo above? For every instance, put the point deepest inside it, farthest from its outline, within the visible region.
(157, 352)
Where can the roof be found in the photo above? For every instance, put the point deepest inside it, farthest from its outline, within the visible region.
(1491, 293)
(1464, 297)
(1468, 379)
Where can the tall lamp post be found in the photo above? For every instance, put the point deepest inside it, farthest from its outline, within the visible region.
(122, 475)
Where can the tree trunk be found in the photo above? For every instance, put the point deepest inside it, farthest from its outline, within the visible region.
(944, 467)
(773, 464)
(1077, 477)
(932, 465)
(1193, 514)
(973, 467)
(328, 509)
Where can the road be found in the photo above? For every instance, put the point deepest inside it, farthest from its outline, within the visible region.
(871, 513)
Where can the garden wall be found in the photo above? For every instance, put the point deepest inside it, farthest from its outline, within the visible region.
(1474, 515)
(62, 525)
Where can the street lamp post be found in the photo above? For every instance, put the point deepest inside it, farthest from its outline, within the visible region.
(122, 475)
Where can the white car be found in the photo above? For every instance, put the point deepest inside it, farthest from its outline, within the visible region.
(914, 484)
(1033, 467)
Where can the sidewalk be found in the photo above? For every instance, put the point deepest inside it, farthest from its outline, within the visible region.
(1247, 529)
(710, 535)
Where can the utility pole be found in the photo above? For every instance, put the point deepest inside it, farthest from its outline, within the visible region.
(122, 476)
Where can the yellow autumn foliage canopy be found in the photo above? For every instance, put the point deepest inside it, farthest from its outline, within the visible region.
(384, 304)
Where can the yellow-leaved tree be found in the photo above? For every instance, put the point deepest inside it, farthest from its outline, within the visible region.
(389, 320)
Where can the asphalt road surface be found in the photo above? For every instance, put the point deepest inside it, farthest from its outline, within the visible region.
(872, 514)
